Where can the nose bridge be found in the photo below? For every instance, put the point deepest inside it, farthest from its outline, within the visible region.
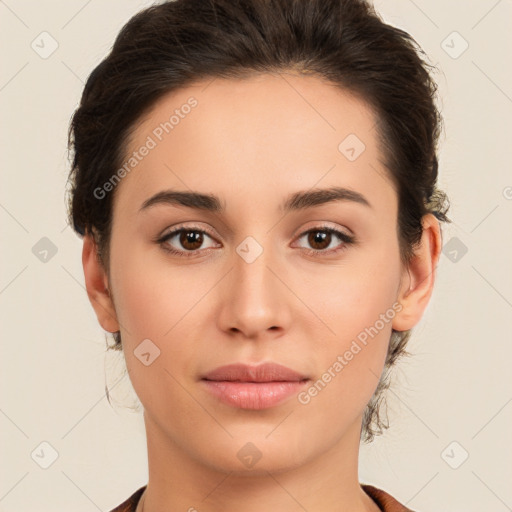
(252, 277)
(253, 302)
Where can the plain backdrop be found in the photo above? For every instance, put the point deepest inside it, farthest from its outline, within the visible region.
(450, 407)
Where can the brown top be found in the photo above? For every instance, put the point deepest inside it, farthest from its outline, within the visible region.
(385, 501)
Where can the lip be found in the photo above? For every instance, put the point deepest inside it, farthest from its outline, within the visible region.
(254, 386)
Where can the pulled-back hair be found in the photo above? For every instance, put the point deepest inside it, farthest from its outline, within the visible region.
(169, 46)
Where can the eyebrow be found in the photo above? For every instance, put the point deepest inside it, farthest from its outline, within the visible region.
(297, 201)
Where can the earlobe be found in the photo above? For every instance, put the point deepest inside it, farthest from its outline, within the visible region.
(419, 277)
(96, 284)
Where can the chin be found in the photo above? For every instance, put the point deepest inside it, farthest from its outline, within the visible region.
(255, 455)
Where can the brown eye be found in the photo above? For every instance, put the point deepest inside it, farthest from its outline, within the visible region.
(320, 239)
(185, 241)
(191, 240)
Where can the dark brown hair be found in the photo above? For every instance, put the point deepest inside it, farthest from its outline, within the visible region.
(169, 46)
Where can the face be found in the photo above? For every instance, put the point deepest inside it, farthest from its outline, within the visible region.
(255, 274)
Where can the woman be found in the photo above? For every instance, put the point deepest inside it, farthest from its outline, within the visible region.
(255, 184)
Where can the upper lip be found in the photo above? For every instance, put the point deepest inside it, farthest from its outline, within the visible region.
(265, 372)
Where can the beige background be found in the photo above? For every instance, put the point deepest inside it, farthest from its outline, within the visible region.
(456, 387)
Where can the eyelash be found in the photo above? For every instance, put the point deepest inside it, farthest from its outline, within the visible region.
(346, 239)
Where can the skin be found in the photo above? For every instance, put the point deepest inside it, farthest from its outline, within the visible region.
(252, 142)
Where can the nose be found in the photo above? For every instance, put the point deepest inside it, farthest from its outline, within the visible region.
(253, 299)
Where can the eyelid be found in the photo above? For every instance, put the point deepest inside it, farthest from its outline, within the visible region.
(345, 238)
(319, 225)
(185, 226)
(298, 234)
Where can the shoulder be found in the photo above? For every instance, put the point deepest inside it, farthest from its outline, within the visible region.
(385, 501)
(131, 503)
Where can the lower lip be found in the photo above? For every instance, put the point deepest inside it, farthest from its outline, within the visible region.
(253, 395)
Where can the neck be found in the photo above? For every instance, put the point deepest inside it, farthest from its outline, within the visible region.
(178, 481)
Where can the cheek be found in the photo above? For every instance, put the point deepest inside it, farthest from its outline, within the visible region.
(150, 296)
(358, 309)
(157, 303)
(152, 307)
(355, 298)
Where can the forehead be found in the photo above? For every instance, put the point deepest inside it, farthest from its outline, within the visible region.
(259, 135)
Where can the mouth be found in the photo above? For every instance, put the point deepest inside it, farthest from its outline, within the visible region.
(254, 387)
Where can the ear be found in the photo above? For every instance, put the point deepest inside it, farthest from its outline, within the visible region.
(96, 284)
(418, 278)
